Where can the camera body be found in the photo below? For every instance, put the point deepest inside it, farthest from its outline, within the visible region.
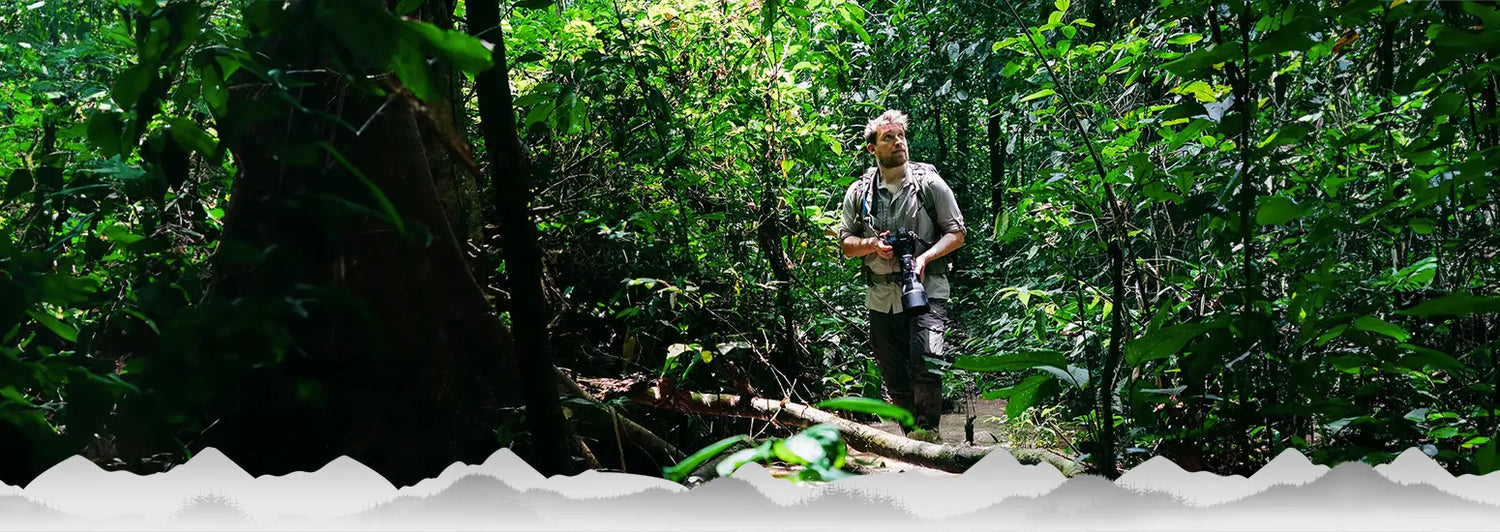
(913, 294)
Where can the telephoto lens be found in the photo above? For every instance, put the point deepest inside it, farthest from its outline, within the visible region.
(913, 294)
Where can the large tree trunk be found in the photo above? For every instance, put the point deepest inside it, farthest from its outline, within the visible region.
(511, 181)
(365, 337)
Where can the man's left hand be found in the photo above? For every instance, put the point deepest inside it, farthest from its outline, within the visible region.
(920, 264)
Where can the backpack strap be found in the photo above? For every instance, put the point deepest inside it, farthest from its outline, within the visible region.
(920, 171)
(869, 207)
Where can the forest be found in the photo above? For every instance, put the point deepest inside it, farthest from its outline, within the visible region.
(604, 233)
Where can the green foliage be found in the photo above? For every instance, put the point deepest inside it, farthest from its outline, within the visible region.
(1302, 194)
(817, 449)
(872, 406)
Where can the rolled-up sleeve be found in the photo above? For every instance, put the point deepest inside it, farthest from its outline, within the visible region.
(945, 207)
(850, 223)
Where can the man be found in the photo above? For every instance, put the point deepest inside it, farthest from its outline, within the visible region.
(894, 194)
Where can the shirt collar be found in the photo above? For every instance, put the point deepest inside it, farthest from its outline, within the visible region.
(907, 181)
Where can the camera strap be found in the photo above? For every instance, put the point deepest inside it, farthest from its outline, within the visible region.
(872, 201)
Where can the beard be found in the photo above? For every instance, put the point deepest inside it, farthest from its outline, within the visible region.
(893, 161)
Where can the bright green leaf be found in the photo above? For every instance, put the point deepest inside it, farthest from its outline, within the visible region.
(871, 406)
(1279, 210)
(684, 468)
(1019, 361)
(61, 329)
(1186, 38)
(1377, 325)
(1038, 94)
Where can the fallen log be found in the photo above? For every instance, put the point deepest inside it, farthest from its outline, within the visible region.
(950, 458)
(663, 451)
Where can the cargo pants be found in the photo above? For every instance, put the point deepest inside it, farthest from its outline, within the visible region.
(901, 344)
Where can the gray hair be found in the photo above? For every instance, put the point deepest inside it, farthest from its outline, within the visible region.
(872, 128)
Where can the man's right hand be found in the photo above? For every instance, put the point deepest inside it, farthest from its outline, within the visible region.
(881, 248)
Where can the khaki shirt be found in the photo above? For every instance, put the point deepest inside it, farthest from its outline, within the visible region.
(904, 209)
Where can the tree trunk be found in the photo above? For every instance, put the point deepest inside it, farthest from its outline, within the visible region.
(510, 191)
(940, 132)
(365, 341)
(997, 162)
(768, 234)
(332, 328)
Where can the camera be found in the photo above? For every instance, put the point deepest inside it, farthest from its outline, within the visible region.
(913, 294)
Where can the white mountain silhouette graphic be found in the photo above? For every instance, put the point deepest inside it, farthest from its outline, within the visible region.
(1202, 488)
(998, 493)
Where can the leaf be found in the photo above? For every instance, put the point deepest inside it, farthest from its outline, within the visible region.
(871, 406)
(1486, 460)
(63, 290)
(1419, 274)
(189, 135)
(1164, 392)
(405, 7)
(131, 84)
(632, 346)
(1456, 305)
(20, 182)
(1186, 38)
(1290, 134)
(121, 234)
(769, 10)
(729, 464)
(1377, 325)
(534, 4)
(1019, 361)
(1164, 342)
(466, 52)
(1120, 64)
(684, 468)
(1288, 39)
(1423, 357)
(1201, 60)
(1078, 377)
(818, 446)
(1421, 226)
(1062, 5)
(1332, 333)
(1036, 95)
(180, 22)
(1024, 394)
(105, 133)
(1278, 210)
(13, 304)
(61, 329)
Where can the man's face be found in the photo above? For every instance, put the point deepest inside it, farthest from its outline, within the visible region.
(890, 146)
